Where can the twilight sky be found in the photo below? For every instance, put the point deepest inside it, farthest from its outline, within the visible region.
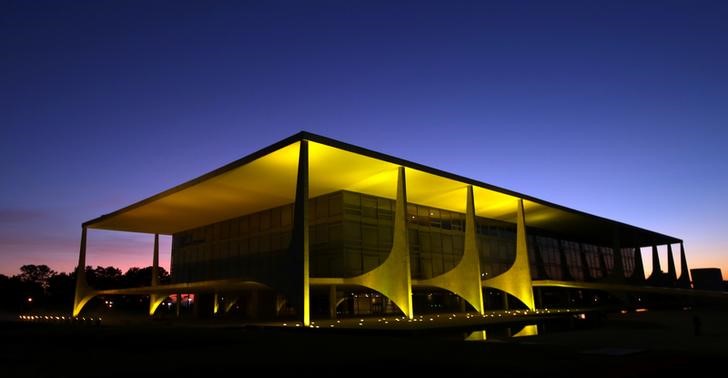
(616, 108)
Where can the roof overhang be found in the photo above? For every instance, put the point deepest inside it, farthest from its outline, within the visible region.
(267, 179)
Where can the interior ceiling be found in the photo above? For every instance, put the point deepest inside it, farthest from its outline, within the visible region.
(270, 180)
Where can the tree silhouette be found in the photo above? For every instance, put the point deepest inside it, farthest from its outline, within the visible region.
(39, 274)
(39, 287)
(136, 277)
(104, 277)
(61, 288)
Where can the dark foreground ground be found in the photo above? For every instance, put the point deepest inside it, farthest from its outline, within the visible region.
(631, 345)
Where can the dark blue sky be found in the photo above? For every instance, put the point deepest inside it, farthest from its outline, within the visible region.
(616, 108)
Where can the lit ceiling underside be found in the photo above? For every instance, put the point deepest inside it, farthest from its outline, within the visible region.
(267, 179)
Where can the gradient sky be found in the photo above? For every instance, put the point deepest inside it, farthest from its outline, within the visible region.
(616, 108)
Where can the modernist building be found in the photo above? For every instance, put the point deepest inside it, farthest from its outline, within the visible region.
(309, 223)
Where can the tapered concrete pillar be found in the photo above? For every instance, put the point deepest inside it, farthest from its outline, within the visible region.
(516, 281)
(671, 273)
(656, 275)
(464, 279)
(639, 267)
(155, 299)
(298, 288)
(471, 288)
(684, 280)
(155, 261)
(401, 242)
(81, 267)
(656, 268)
(393, 277)
(83, 292)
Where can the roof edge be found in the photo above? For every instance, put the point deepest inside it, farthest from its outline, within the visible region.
(225, 168)
(393, 159)
(305, 135)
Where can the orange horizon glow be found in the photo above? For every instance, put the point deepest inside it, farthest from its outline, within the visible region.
(137, 254)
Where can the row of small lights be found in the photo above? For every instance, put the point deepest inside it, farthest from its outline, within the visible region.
(55, 317)
(450, 317)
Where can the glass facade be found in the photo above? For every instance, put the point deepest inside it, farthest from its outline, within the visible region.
(628, 261)
(608, 258)
(244, 247)
(352, 233)
(549, 250)
(593, 260)
(572, 253)
(497, 246)
(436, 239)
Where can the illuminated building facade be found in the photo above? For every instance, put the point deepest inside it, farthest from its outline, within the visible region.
(311, 225)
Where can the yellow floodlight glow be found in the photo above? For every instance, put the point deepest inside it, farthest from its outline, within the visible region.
(381, 182)
(495, 205)
(529, 330)
(332, 169)
(540, 214)
(516, 280)
(435, 191)
(263, 183)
